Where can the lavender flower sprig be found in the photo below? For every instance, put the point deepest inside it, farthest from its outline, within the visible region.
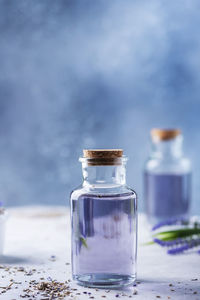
(171, 243)
(170, 222)
(190, 244)
(179, 239)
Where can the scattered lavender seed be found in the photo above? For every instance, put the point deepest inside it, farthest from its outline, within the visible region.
(29, 273)
(135, 284)
(52, 258)
(21, 269)
(49, 278)
(135, 292)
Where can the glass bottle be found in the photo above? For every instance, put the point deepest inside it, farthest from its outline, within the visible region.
(167, 178)
(104, 222)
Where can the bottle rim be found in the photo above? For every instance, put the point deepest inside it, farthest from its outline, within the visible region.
(117, 161)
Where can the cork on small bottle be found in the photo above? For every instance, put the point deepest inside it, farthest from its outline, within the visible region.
(103, 157)
(164, 134)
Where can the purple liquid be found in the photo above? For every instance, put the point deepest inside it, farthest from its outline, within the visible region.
(167, 195)
(104, 239)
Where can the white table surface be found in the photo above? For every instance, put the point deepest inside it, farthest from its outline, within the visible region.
(34, 234)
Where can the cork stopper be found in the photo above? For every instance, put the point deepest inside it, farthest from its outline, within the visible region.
(102, 153)
(164, 134)
(103, 156)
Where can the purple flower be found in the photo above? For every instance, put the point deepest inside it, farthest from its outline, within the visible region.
(170, 222)
(1, 203)
(159, 242)
(180, 239)
(188, 245)
(179, 249)
(169, 243)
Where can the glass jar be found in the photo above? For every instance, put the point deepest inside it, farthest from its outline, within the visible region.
(3, 219)
(104, 222)
(167, 178)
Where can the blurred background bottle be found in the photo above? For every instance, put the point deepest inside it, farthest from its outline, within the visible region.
(167, 177)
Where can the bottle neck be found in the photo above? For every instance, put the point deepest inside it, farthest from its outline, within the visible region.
(170, 149)
(104, 175)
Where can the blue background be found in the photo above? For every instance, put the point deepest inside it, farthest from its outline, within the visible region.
(81, 74)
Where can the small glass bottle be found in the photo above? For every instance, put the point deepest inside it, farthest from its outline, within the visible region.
(167, 178)
(104, 222)
(3, 219)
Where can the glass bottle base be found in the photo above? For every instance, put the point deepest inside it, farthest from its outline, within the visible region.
(110, 281)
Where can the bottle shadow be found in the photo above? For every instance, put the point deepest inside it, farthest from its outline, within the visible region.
(169, 288)
(159, 288)
(9, 259)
